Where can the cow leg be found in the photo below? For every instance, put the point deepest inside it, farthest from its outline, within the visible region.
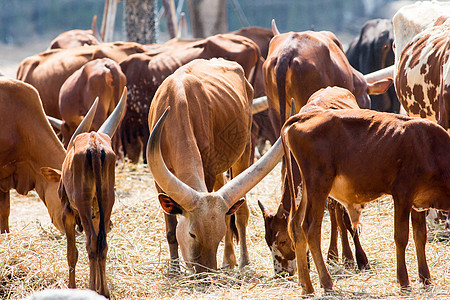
(420, 239)
(229, 256)
(361, 257)
(347, 254)
(401, 230)
(311, 225)
(4, 211)
(243, 213)
(333, 253)
(171, 227)
(298, 238)
(72, 252)
(242, 216)
(102, 285)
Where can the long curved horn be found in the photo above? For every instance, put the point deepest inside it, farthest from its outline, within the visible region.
(85, 125)
(245, 181)
(109, 127)
(275, 30)
(259, 104)
(57, 123)
(182, 194)
(380, 74)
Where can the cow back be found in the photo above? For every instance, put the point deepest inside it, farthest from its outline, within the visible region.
(209, 124)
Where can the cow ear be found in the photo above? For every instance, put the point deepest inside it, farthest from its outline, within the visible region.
(52, 175)
(168, 205)
(379, 87)
(235, 207)
(264, 210)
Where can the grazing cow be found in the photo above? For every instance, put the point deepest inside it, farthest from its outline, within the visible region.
(372, 51)
(48, 71)
(100, 78)
(207, 133)
(277, 237)
(28, 143)
(75, 38)
(356, 156)
(145, 73)
(86, 190)
(422, 67)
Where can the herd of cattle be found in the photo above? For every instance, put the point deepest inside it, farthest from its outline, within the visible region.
(187, 106)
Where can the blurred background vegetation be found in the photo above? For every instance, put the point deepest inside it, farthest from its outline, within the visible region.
(22, 20)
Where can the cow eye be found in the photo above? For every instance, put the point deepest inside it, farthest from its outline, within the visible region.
(192, 235)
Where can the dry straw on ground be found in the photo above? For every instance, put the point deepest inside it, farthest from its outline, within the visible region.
(33, 255)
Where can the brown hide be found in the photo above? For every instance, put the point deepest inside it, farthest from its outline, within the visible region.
(48, 71)
(74, 38)
(206, 133)
(357, 156)
(100, 78)
(145, 73)
(299, 64)
(28, 143)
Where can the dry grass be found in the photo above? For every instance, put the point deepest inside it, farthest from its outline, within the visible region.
(32, 256)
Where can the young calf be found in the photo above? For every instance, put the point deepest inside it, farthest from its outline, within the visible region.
(277, 236)
(86, 190)
(356, 156)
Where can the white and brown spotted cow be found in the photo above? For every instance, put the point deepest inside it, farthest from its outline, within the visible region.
(422, 64)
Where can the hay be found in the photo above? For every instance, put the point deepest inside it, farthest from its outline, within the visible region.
(33, 256)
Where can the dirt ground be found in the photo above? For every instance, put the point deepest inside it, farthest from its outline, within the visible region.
(32, 256)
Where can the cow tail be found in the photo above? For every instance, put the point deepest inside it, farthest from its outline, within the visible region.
(233, 227)
(290, 179)
(280, 76)
(97, 168)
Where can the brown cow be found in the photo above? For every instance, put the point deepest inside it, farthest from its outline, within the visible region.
(357, 156)
(301, 63)
(28, 143)
(207, 133)
(76, 37)
(145, 73)
(48, 71)
(277, 237)
(86, 190)
(100, 78)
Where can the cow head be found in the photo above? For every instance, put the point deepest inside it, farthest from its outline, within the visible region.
(278, 239)
(202, 225)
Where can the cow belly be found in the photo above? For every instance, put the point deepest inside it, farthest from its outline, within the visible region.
(344, 191)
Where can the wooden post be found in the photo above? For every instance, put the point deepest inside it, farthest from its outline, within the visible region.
(171, 17)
